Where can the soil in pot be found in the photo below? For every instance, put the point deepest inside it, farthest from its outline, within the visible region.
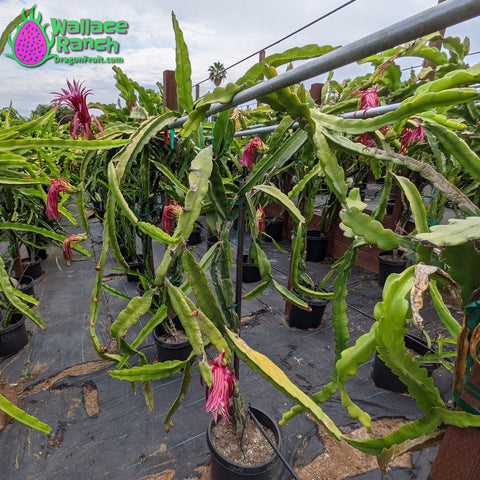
(317, 243)
(136, 265)
(383, 377)
(195, 237)
(299, 318)
(14, 337)
(32, 268)
(274, 229)
(388, 263)
(250, 272)
(171, 347)
(252, 459)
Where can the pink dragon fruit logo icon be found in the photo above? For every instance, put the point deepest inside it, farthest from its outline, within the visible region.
(30, 44)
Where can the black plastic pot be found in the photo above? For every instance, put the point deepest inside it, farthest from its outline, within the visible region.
(28, 285)
(383, 377)
(211, 241)
(170, 351)
(14, 337)
(40, 252)
(250, 272)
(195, 237)
(390, 207)
(224, 469)
(99, 209)
(141, 291)
(136, 265)
(386, 266)
(317, 243)
(273, 228)
(299, 318)
(32, 268)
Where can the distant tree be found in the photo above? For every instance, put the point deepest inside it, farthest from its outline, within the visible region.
(42, 109)
(217, 73)
(10, 112)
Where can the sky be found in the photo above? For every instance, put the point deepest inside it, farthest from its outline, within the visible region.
(213, 30)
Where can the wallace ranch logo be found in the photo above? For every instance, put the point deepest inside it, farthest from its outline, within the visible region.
(32, 46)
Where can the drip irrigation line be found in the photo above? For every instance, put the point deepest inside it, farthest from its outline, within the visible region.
(331, 12)
(272, 444)
(430, 20)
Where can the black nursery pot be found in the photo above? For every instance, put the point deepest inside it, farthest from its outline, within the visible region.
(195, 237)
(317, 243)
(99, 209)
(40, 252)
(386, 266)
(136, 265)
(250, 272)
(274, 228)
(28, 284)
(170, 351)
(14, 337)
(32, 268)
(299, 318)
(211, 241)
(223, 469)
(383, 377)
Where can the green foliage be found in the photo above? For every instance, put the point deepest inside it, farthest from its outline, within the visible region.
(183, 69)
(23, 417)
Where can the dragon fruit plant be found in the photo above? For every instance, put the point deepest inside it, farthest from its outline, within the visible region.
(31, 45)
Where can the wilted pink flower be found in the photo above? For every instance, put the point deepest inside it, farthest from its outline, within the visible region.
(411, 135)
(222, 389)
(82, 122)
(260, 218)
(170, 212)
(366, 140)
(368, 98)
(67, 248)
(57, 185)
(248, 154)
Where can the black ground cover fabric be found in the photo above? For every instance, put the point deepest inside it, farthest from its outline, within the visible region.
(58, 371)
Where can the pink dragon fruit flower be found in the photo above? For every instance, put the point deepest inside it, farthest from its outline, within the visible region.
(221, 391)
(249, 152)
(366, 139)
(67, 247)
(368, 98)
(411, 135)
(171, 211)
(57, 185)
(82, 123)
(260, 219)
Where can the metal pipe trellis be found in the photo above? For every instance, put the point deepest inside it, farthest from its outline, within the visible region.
(367, 113)
(431, 20)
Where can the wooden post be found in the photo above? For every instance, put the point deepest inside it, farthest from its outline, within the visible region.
(261, 58)
(170, 99)
(316, 92)
(459, 454)
(197, 91)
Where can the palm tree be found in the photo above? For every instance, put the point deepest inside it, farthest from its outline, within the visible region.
(217, 73)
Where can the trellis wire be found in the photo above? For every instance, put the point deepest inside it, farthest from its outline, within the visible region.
(431, 20)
